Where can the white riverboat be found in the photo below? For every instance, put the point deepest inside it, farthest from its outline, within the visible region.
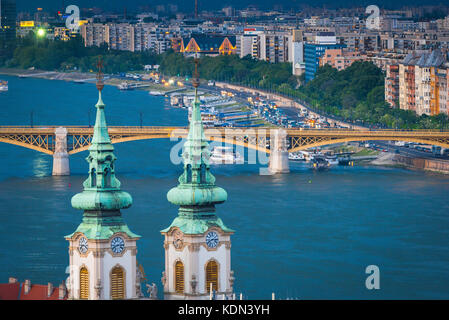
(4, 86)
(332, 159)
(225, 155)
(125, 86)
(296, 156)
(156, 93)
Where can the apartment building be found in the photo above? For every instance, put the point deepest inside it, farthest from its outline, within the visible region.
(313, 52)
(423, 83)
(392, 85)
(268, 45)
(359, 41)
(298, 63)
(95, 34)
(340, 58)
(122, 37)
(275, 47)
(248, 42)
(128, 37)
(8, 20)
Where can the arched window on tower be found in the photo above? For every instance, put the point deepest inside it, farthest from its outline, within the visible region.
(107, 178)
(203, 173)
(117, 283)
(189, 173)
(93, 178)
(212, 275)
(84, 283)
(179, 277)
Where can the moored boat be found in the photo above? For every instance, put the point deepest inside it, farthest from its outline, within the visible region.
(296, 156)
(332, 159)
(125, 86)
(319, 163)
(4, 86)
(156, 93)
(225, 155)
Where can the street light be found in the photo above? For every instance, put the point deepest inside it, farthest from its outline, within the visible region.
(41, 32)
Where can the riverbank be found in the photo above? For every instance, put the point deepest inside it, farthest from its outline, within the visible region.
(368, 156)
(87, 77)
(434, 165)
(50, 75)
(165, 88)
(286, 103)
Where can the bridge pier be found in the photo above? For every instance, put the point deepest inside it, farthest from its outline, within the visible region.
(278, 162)
(61, 157)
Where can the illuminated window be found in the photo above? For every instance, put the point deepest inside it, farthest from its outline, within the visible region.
(84, 283)
(179, 277)
(117, 284)
(212, 275)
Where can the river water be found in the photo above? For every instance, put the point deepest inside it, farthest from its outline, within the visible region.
(302, 235)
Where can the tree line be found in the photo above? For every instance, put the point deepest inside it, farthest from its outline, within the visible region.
(355, 94)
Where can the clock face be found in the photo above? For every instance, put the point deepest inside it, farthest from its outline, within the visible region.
(212, 239)
(117, 245)
(83, 246)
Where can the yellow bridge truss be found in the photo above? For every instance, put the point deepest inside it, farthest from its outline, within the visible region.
(42, 138)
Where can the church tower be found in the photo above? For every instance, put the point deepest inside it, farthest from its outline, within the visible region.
(197, 243)
(102, 249)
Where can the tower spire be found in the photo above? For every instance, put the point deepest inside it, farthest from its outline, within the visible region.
(196, 193)
(206, 265)
(102, 195)
(102, 249)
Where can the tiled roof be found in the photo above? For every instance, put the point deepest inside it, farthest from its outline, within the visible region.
(39, 292)
(16, 291)
(210, 43)
(207, 43)
(9, 291)
(434, 59)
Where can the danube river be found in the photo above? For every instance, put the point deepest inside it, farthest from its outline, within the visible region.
(302, 235)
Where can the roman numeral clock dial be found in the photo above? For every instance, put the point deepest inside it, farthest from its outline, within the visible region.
(117, 245)
(212, 239)
(83, 246)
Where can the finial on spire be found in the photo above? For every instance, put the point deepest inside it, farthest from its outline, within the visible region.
(196, 77)
(100, 77)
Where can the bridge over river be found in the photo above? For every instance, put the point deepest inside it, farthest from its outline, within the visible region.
(61, 142)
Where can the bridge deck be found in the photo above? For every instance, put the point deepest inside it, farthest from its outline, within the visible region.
(42, 138)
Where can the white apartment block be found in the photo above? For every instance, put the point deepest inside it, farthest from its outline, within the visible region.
(271, 46)
(128, 37)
